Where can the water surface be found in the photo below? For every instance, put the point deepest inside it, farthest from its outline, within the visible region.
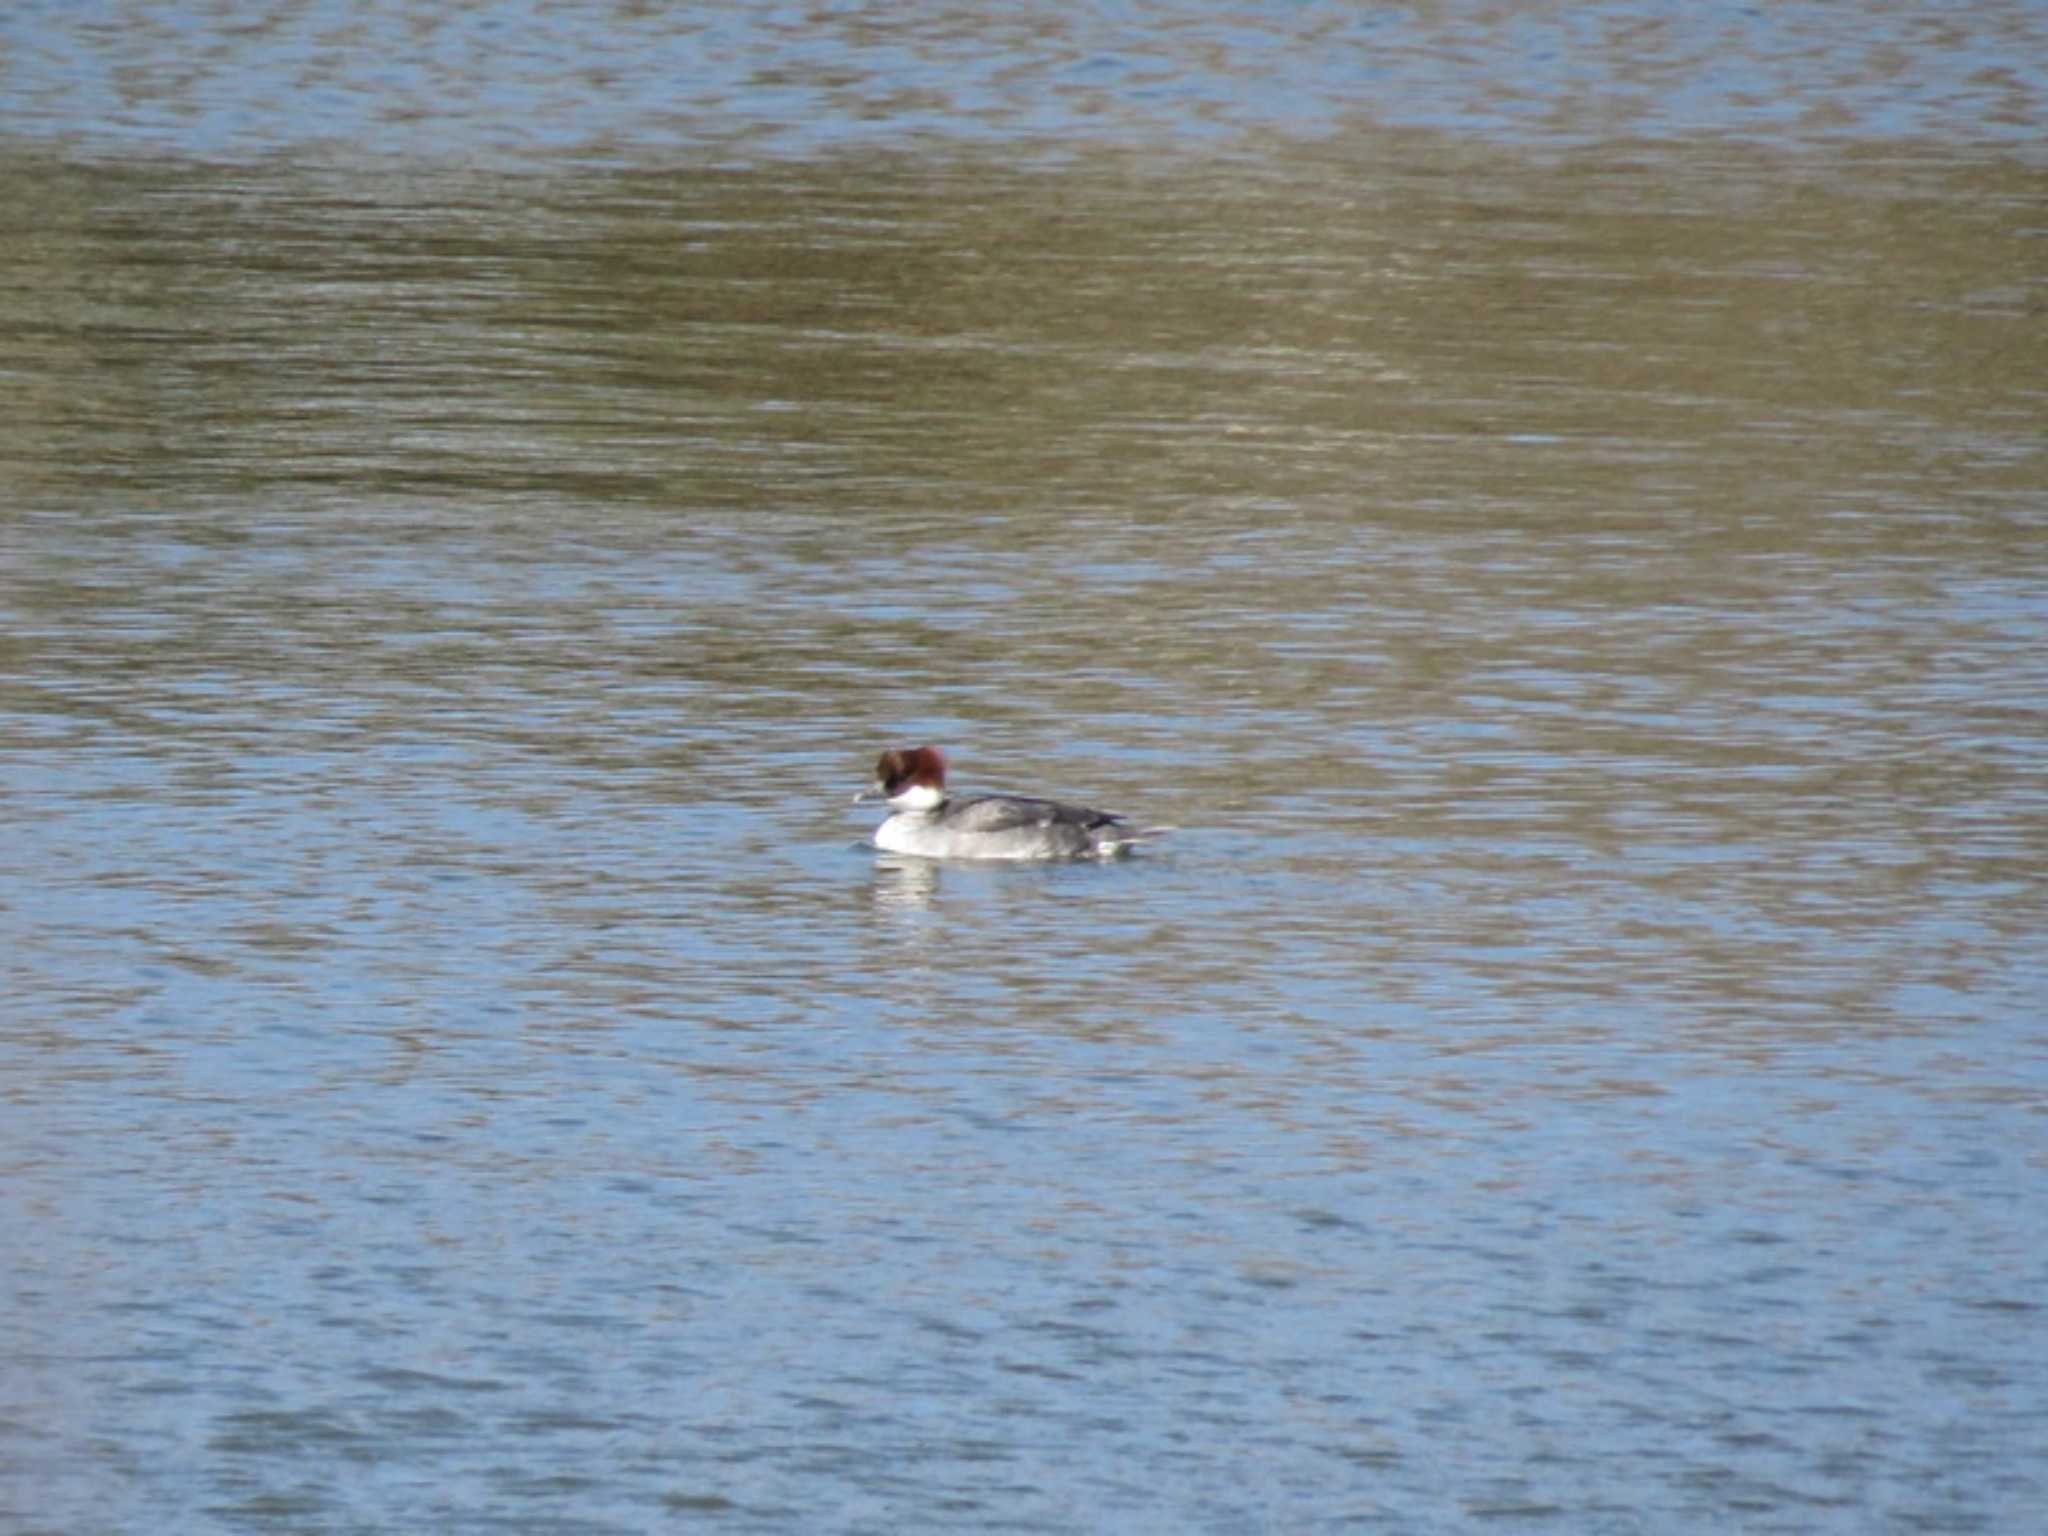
(1576, 581)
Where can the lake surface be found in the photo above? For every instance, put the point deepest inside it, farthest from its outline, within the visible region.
(1552, 505)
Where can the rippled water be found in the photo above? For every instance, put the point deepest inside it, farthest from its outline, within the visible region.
(523, 76)
(1581, 1065)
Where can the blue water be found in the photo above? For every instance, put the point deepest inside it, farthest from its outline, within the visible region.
(519, 78)
(1580, 1065)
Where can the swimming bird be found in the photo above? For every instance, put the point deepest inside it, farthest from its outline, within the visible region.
(936, 825)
